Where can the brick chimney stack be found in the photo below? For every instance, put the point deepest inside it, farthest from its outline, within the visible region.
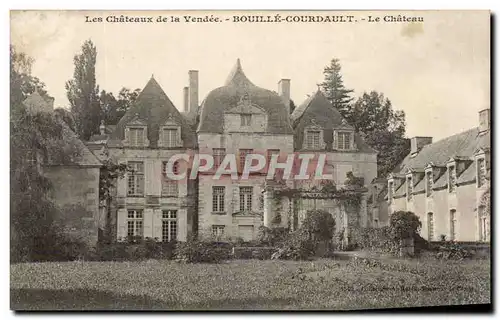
(284, 92)
(193, 91)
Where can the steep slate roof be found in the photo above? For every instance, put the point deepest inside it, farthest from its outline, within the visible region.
(227, 97)
(85, 158)
(153, 107)
(317, 110)
(463, 144)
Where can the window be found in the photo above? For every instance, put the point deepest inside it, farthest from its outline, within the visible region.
(453, 224)
(246, 120)
(136, 179)
(484, 224)
(409, 188)
(219, 154)
(390, 191)
(218, 195)
(481, 172)
(430, 226)
(134, 223)
(136, 136)
(428, 183)
(218, 231)
(261, 202)
(169, 188)
(169, 225)
(243, 155)
(452, 178)
(312, 140)
(170, 138)
(246, 198)
(344, 140)
(375, 223)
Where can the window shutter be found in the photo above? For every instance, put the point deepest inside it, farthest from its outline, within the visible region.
(148, 223)
(157, 224)
(121, 224)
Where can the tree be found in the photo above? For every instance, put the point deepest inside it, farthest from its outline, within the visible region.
(319, 224)
(382, 128)
(65, 116)
(404, 224)
(334, 89)
(82, 92)
(33, 139)
(114, 108)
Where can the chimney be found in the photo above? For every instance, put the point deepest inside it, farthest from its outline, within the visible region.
(102, 128)
(193, 90)
(284, 92)
(484, 120)
(186, 99)
(417, 143)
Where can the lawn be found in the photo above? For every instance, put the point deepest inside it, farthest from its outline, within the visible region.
(248, 284)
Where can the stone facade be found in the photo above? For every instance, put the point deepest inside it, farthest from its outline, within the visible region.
(236, 119)
(443, 183)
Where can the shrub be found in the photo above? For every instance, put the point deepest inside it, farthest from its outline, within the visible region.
(195, 251)
(377, 239)
(137, 250)
(272, 236)
(298, 246)
(56, 245)
(404, 224)
(319, 225)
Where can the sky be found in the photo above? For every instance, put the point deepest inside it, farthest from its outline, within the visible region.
(437, 71)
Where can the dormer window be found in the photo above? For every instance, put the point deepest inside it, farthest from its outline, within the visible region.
(170, 137)
(246, 120)
(170, 134)
(452, 178)
(409, 188)
(429, 183)
(344, 140)
(312, 139)
(136, 134)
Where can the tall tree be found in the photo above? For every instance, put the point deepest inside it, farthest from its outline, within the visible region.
(334, 89)
(33, 137)
(83, 92)
(113, 108)
(382, 128)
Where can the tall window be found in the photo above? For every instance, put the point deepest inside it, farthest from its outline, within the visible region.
(218, 196)
(136, 179)
(218, 230)
(430, 226)
(409, 188)
(481, 172)
(134, 223)
(243, 156)
(390, 191)
(169, 188)
(136, 136)
(428, 183)
(246, 120)
(484, 224)
(453, 224)
(312, 140)
(169, 225)
(170, 137)
(219, 154)
(452, 178)
(344, 140)
(246, 198)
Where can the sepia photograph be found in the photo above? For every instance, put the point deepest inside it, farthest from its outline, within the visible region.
(250, 160)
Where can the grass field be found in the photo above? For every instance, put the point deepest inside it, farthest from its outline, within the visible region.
(247, 284)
